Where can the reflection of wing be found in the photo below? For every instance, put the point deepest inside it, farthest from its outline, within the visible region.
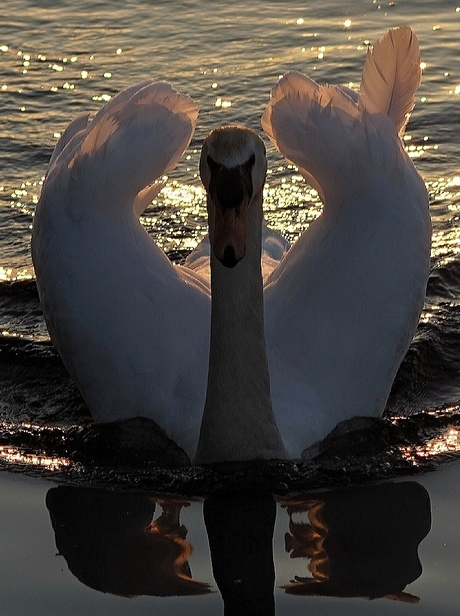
(361, 541)
(132, 329)
(110, 544)
(343, 305)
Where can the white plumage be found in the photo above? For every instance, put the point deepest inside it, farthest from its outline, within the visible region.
(341, 306)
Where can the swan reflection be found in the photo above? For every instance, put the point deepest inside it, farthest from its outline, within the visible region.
(112, 543)
(359, 542)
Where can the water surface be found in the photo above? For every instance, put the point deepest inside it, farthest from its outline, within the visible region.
(83, 551)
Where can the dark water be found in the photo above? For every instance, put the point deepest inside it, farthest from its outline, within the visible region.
(100, 551)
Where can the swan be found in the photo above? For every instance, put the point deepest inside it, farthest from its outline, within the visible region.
(312, 337)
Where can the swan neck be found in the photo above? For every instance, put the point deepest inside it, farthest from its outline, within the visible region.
(238, 421)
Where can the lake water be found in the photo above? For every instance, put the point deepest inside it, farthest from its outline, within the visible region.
(61, 58)
(87, 552)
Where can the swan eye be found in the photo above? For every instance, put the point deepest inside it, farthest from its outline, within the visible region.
(247, 174)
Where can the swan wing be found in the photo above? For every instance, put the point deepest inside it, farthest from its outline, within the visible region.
(74, 128)
(131, 328)
(290, 111)
(391, 75)
(343, 304)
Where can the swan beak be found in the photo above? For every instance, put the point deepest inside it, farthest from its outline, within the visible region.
(229, 237)
(229, 194)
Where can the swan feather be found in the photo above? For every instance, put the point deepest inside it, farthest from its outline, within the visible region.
(343, 304)
(391, 75)
(119, 313)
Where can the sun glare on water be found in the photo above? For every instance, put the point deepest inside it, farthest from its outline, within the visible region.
(12, 455)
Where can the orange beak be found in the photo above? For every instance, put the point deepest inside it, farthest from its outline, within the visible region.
(229, 241)
(230, 193)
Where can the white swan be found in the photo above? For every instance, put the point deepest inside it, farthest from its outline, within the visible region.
(340, 308)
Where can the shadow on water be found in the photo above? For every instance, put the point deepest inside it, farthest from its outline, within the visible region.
(359, 541)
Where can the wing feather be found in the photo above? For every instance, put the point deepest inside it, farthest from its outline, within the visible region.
(131, 328)
(313, 127)
(135, 139)
(391, 76)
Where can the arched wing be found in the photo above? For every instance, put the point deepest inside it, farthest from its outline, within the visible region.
(343, 304)
(305, 122)
(132, 329)
(135, 139)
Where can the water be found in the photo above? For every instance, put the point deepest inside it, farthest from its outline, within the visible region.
(82, 542)
(59, 59)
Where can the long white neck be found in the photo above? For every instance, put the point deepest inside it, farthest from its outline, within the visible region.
(238, 422)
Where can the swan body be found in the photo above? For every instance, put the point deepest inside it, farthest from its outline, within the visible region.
(313, 339)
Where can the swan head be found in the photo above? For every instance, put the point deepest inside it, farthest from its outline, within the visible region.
(233, 166)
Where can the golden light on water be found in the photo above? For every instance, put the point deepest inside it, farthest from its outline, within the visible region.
(419, 149)
(290, 205)
(222, 103)
(177, 218)
(445, 243)
(102, 97)
(448, 443)
(427, 316)
(445, 214)
(13, 455)
(11, 274)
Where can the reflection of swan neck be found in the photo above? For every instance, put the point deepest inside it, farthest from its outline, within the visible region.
(240, 536)
(238, 421)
